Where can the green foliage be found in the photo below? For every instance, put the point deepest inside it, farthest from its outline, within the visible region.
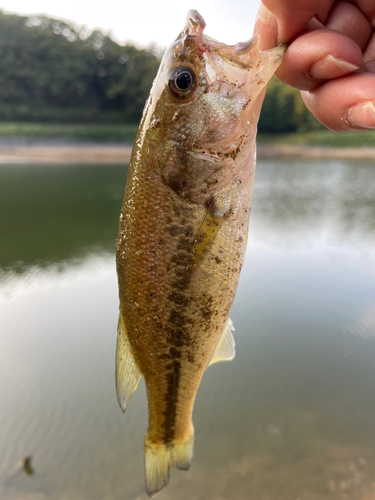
(51, 71)
(284, 112)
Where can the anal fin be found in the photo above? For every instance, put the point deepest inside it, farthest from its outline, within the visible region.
(225, 351)
(127, 371)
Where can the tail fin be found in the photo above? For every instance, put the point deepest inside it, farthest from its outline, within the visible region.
(160, 457)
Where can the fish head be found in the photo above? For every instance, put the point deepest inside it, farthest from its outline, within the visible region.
(204, 107)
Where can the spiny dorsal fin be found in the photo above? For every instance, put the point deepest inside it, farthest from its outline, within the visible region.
(225, 351)
(127, 371)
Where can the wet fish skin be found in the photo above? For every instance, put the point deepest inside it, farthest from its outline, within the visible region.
(183, 230)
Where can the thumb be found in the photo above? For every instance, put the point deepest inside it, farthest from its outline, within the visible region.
(289, 17)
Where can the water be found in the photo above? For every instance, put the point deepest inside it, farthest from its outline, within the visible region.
(293, 417)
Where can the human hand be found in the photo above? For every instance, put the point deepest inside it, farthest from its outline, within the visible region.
(331, 56)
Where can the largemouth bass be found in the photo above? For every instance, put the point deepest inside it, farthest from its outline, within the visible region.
(183, 230)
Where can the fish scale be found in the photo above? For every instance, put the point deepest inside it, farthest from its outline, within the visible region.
(183, 231)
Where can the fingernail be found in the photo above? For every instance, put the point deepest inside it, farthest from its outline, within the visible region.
(266, 25)
(361, 115)
(329, 67)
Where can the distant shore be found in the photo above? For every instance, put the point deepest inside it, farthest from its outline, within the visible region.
(112, 154)
(315, 152)
(67, 154)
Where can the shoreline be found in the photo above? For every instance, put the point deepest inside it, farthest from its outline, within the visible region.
(315, 152)
(67, 154)
(116, 154)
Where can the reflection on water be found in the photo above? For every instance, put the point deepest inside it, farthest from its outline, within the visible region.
(50, 214)
(292, 417)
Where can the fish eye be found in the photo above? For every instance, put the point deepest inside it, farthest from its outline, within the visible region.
(182, 82)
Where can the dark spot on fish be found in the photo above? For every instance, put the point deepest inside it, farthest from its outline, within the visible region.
(179, 339)
(218, 260)
(177, 183)
(184, 244)
(181, 259)
(191, 357)
(188, 231)
(174, 353)
(178, 298)
(174, 230)
(177, 318)
(184, 280)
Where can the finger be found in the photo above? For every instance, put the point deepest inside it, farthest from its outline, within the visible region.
(368, 9)
(347, 103)
(317, 56)
(266, 27)
(347, 19)
(293, 15)
(369, 55)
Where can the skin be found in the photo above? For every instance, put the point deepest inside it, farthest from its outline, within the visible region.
(183, 225)
(339, 89)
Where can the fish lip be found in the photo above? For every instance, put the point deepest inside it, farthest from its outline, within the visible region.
(195, 19)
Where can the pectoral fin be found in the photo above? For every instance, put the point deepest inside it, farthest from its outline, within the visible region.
(207, 232)
(127, 371)
(225, 351)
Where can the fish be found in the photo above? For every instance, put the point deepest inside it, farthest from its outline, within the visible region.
(183, 231)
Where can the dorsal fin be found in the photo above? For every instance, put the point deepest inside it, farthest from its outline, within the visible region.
(225, 351)
(127, 371)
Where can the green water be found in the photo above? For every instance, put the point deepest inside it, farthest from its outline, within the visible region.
(292, 417)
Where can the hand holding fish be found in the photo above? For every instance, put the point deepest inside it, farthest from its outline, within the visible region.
(330, 57)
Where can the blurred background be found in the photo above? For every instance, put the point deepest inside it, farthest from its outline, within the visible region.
(293, 416)
(60, 78)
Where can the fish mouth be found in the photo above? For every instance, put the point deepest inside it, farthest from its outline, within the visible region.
(243, 54)
(195, 20)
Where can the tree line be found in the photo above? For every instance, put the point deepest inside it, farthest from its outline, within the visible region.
(53, 71)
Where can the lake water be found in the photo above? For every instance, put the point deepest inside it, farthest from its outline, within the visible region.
(291, 418)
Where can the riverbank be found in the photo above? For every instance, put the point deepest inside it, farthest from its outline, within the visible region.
(315, 152)
(114, 154)
(32, 143)
(66, 154)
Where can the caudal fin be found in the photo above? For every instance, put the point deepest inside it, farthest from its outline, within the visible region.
(160, 457)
